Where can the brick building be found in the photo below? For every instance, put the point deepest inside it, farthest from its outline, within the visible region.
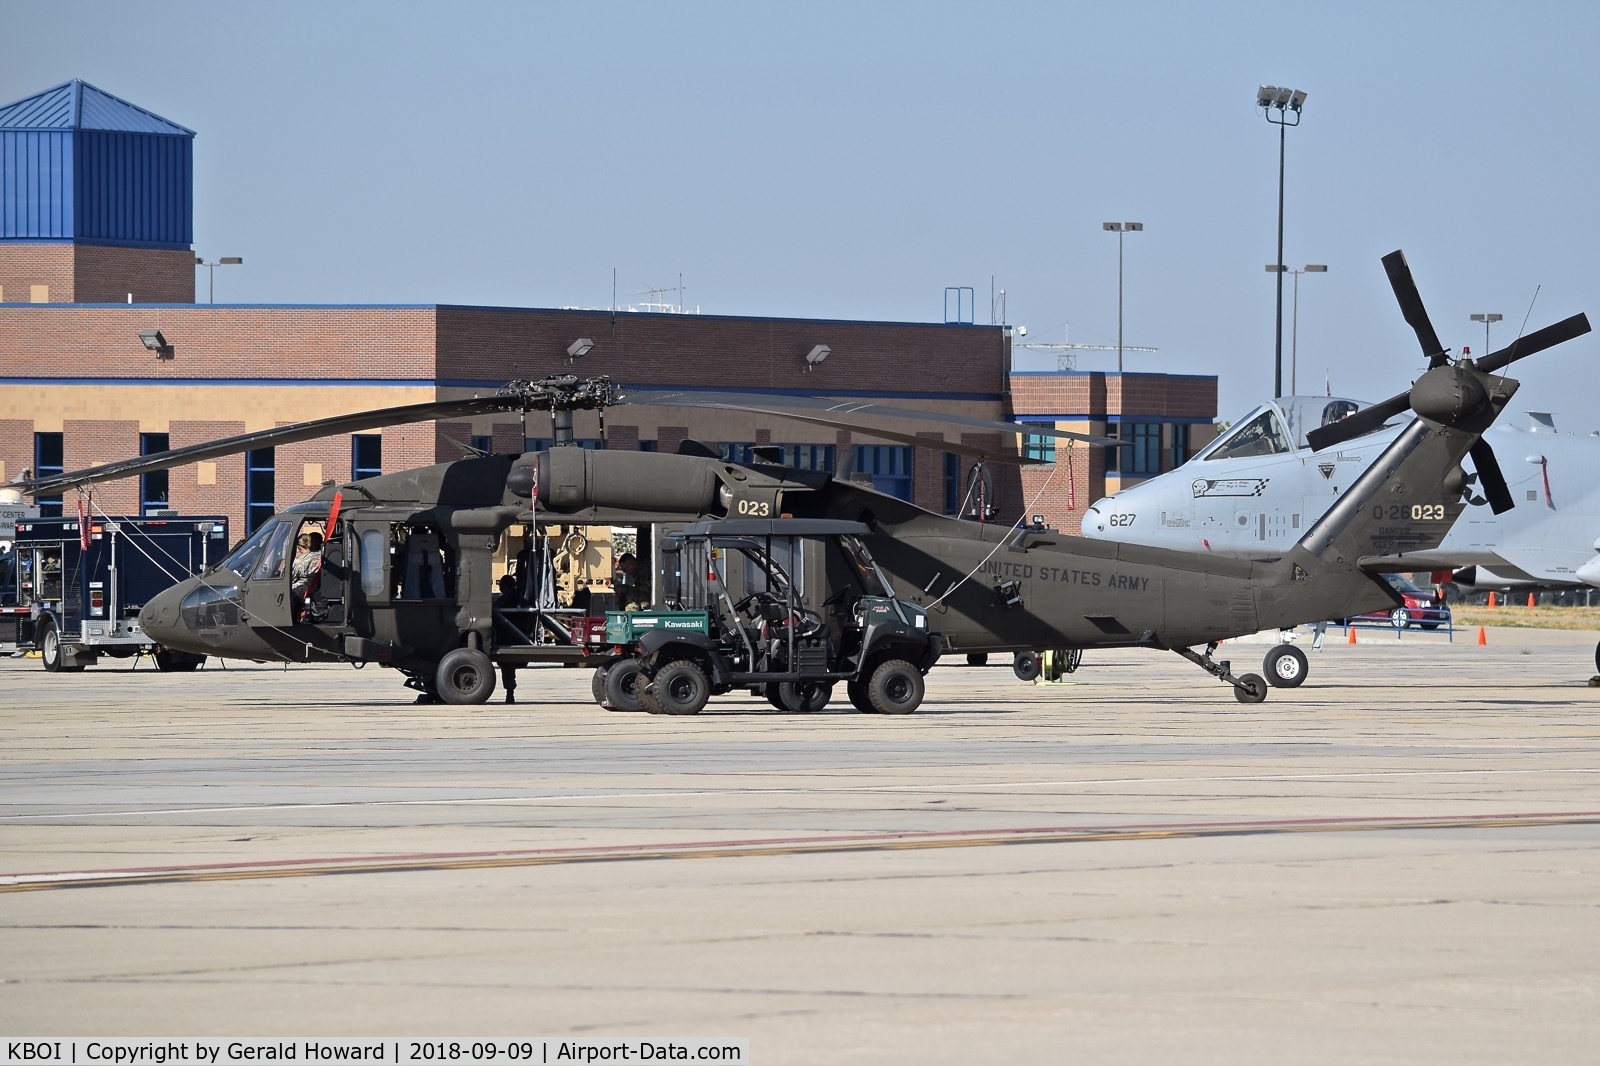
(104, 355)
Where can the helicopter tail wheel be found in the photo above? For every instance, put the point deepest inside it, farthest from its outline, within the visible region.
(1286, 666)
(1025, 665)
(680, 687)
(622, 686)
(896, 688)
(465, 676)
(801, 697)
(1250, 688)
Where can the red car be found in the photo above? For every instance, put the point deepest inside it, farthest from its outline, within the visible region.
(1423, 608)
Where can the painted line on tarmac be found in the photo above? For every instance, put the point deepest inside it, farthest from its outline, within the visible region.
(942, 787)
(777, 846)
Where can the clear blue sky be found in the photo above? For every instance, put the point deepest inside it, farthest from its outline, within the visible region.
(851, 160)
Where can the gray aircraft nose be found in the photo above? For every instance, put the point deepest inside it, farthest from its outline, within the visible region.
(162, 618)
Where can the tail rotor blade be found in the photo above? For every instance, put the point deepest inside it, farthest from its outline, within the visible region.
(1490, 477)
(1537, 341)
(1405, 291)
(1359, 424)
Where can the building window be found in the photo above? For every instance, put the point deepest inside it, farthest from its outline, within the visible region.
(1113, 452)
(818, 457)
(1038, 446)
(49, 459)
(647, 446)
(1180, 445)
(482, 443)
(366, 456)
(154, 485)
(260, 487)
(1144, 458)
(889, 466)
(952, 483)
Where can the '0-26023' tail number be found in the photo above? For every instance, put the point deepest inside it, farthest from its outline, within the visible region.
(1418, 512)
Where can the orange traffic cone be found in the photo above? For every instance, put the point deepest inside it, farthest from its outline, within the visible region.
(1350, 629)
(1491, 599)
(1530, 599)
(1483, 637)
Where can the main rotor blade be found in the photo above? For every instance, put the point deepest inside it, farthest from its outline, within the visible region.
(843, 412)
(1364, 421)
(268, 438)
(1405, 290)
(1490, 478)
(1537, 341)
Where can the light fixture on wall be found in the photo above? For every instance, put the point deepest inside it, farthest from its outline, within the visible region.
(817, 355)
(578, 349)
(155, 341)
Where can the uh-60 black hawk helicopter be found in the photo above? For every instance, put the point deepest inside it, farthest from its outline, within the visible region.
(407, 577)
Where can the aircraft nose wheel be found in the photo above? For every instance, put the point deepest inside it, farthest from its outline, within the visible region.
(1286, 666)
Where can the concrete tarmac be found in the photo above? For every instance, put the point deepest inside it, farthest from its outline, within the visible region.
(1395, 862)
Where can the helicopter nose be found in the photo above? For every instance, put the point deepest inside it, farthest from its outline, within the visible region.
(162, 617)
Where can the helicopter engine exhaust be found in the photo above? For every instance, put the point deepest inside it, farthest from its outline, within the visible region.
(571, 479)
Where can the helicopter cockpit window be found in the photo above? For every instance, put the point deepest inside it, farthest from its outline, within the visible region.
(243, 559)
(1261, 435)
(274, 553)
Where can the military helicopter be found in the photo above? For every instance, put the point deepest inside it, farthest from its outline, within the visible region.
(406, 578)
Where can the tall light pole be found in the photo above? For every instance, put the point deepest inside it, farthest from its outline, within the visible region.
(1276, 98)
(211, 270)
(1294, 328)
(1486, 319)
(1119, 228)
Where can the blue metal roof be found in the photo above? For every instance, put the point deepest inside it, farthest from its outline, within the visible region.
(77, 105)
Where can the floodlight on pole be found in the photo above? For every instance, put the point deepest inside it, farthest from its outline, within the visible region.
(1294, 329)
(1486, 318)
(1285, 103)
(211, 272)
(1119, 228)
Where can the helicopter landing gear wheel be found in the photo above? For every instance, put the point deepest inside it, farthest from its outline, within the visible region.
(622, 686)
(896, 688)
(978, 658)
(1025, 665)
(1286, 666)
(800, 697)
(464, 676)
(1252, 688)
(680, 687)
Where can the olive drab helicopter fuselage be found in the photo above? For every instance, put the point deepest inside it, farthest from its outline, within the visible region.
(408, 577)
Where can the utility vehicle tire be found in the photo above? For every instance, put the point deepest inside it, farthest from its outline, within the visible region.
(978, 658)
(857, 691)
(51, 653)
(622, 686)
(465, 676)
(802, 697)
(597, 685)
(1253, 689)
(1286, 666)
(896, 688)
(680, 687)
(1025, 665)
(1597, 656)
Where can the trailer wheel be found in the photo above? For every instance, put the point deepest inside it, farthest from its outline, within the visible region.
(50, 651)
(597, 685)
(857, 691)
(465, 676)
(622, 685)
